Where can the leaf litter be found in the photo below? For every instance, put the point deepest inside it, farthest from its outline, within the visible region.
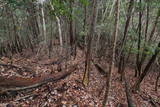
(70, 92)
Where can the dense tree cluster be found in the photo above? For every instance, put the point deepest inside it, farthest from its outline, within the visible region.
(126, 33)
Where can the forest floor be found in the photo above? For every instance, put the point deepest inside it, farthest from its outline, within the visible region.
(70, 91)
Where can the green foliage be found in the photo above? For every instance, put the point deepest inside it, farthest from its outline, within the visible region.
(154, 3)
(140, 6)
(84, 2)
(12, 1)
(148, 49)
(60, 8)
(16, 3)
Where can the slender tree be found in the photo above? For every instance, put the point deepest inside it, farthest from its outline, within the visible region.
(148, 42)
(90, 35)
(139, 39)
(122, 54)
(147, 68)
(111, 67)
(59, 28)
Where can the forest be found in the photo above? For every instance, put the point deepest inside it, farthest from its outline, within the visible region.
(79, 53)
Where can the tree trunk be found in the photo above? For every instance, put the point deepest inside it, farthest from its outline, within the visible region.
(138, 68)
(146, 70)
(72, 28)
(90, 35)
(59, 30)
(154, 26)
(111, 67)
(150, 38)
(44, 25)
(122, 54)
(60, 33)
(33, 24)
(156, 85)
(17, 42)
(128, 93)
(146, 32)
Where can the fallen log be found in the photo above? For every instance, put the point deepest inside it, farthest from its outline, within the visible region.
(128, 93)
(100, 69)
(14, 84)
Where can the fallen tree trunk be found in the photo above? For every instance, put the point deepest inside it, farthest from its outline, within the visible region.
(14, 84)
(128, 94)
(100, 69)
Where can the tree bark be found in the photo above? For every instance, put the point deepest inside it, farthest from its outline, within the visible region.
(138, 68)
(72, 29)
(156, 85)
(122, 54)
(90, 35)
(128, 94)
(18, 83)
(150, 38)
(146, 32)
(146, 70)
(111, 67)
(59, 30)
(44, 24)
